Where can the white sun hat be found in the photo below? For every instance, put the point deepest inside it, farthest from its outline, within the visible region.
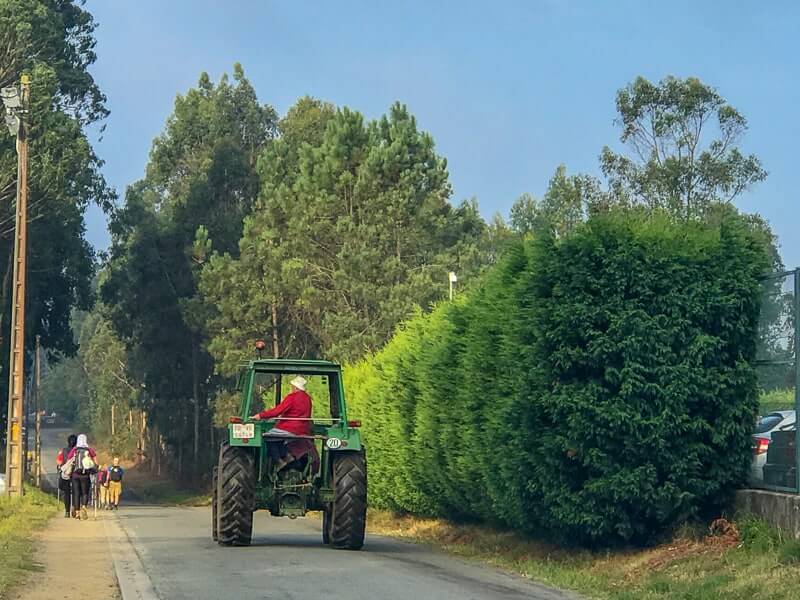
(299, 382)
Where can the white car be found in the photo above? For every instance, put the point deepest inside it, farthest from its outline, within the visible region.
(2, 484)
(780, 420)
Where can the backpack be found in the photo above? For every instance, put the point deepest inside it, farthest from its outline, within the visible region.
(84, 463)
(115, 474)
(61, 457)
(67, 468)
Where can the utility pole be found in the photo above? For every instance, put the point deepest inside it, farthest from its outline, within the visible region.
(16, 101)
(37, 450)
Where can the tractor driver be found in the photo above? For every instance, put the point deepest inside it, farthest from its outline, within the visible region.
(294, 418)
(295, 410)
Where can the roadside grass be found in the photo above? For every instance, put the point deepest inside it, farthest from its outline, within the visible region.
(746, 560)
(773, 400)
(19, 519)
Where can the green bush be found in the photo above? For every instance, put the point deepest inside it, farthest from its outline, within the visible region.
(598, 388)
(778, 399)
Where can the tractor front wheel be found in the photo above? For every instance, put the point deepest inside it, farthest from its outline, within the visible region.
(235, 496)
(214, 480)
(348, 512)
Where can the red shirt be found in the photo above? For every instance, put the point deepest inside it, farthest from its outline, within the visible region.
(74, 451)
(296, 405)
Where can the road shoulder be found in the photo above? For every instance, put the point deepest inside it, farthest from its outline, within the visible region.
(133, 580)
(75, 561)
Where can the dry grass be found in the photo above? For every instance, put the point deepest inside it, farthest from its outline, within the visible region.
(718, 564)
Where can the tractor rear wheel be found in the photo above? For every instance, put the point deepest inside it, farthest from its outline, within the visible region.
(235, 496)
(348, 514)
(214, 480)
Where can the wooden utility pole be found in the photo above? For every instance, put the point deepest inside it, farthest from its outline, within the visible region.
(37, 448)
(15, 461)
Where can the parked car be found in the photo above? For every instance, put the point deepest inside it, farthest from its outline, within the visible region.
(766, 426)
(2, 484)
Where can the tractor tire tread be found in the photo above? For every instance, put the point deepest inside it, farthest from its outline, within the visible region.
(214, 480)
(236, 496)
(348, 516)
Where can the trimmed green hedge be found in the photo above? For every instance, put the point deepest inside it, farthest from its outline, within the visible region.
(598, 388)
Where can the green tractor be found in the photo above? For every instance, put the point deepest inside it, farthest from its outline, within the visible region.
(288, 476)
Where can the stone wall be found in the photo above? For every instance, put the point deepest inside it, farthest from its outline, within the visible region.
(779, 509)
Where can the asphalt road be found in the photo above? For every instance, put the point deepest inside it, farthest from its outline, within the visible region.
(53, 440)
(168, 553)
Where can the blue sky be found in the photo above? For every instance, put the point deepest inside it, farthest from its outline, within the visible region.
(509, 90)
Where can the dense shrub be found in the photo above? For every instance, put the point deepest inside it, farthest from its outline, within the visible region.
(597, 388)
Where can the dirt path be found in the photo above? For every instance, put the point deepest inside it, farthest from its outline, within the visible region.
(76, 563)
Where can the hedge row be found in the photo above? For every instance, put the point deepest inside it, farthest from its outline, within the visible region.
(597, 389)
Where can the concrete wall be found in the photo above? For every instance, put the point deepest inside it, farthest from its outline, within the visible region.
(779, 509)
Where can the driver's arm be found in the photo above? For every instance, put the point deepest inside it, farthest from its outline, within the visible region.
(277, 411)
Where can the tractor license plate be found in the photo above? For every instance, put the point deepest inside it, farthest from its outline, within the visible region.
(243, 431)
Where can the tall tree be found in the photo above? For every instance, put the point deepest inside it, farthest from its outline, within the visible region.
(201, 182)
(53, 41)
(568, 201)
(348, 237)
(683, 136)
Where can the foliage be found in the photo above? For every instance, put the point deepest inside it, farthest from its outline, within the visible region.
(52, 41)
(684, 138)
(20, 518)
(598, 387)
(776, 399)
(686, 566)
(568, 201)
(683, 159)
(84, 388)
(201, 182)
(64, 388)
(353, 229)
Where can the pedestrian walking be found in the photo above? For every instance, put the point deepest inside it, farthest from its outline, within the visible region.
(101, 491)
(115, 475)
(85, 465)
(65, 485)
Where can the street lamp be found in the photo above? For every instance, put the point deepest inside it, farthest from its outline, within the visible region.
(452, 276)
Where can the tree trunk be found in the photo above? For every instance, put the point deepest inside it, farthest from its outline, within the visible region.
(180, 460)
(196, 394)
(276, 351)
(143, 437)
(154, 449)
(212, 439)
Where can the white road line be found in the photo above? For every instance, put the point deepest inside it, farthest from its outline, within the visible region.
(134, 582)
